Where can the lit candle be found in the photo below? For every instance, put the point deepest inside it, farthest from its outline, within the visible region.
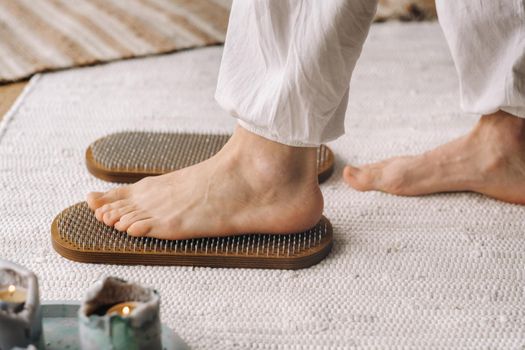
(12, 298)
(123, 309)
(106, 322)
(20, 313)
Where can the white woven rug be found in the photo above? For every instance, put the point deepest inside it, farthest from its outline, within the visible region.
(441, 271)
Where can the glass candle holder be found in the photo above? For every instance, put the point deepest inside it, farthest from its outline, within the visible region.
(119, 315)
(20, 313)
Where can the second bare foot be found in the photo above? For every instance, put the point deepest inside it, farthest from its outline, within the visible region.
(489, 160)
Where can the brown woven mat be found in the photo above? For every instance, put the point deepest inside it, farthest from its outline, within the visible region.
(42, 35)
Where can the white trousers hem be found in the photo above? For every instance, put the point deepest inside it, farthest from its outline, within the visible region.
(228, 106)
(516, 111)
(268, 135)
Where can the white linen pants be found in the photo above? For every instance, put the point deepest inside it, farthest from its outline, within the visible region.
(287, 64)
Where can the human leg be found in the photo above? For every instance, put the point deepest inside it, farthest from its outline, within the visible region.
(488, 47)
(285, 74)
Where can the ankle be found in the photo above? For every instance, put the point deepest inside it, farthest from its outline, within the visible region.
(499, 140)
(273, 160)
(501, 127)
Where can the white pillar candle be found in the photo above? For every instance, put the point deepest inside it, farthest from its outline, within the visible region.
(20, 314)
(119, 315)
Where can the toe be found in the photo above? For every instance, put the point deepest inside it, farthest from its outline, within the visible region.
(104, 210)
(361, 179)
(129, 219)
(114, 195)
(110, 217)
(405, 176)
(99, 213)
(94, 200)
(141, 228)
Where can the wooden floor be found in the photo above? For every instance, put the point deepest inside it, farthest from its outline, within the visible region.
(8, 95)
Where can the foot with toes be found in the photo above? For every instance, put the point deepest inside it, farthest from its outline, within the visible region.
(252, 185)
(489, 160)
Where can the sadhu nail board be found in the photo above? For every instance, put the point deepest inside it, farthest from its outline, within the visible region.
(79, 236)
(127, 157)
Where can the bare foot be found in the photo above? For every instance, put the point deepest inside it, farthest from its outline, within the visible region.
(489, 160)
(252, 185)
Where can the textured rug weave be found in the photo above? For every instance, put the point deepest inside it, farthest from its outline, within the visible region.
(40, 35)
(441, 271)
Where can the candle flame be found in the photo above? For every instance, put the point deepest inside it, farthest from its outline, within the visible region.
(126, 310)
(11, 289)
